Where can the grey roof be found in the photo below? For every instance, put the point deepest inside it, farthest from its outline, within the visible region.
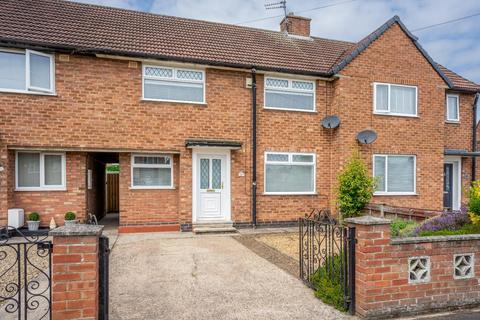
(461, 152)
(91, 29)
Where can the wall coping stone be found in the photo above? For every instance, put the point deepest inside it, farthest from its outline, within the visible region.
(368, 220)
(407, 240)
(77, 230)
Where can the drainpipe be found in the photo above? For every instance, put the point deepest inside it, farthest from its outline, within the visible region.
(254, 148)
(474, 137)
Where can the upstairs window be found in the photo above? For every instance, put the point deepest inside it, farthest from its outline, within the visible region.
(26, 71)
(295, 95)
(37, 171)
(392, 99)
(452, 112)
(395, 174)
(152, 172)
(289, 173)
(172, 84)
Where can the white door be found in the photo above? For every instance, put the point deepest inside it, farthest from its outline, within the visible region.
(211, 188)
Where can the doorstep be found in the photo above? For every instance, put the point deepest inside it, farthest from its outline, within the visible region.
(213, 227)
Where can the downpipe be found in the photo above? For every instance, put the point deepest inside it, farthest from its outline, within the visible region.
(254, 147)
(474, 136)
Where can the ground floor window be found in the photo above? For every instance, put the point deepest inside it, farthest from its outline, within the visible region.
(40, 171)
(289, 173)
(395, 174)
(152, 172)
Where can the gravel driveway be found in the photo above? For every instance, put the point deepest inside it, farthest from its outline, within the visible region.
(181, 276)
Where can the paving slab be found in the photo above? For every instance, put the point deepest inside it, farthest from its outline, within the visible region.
(154, 276)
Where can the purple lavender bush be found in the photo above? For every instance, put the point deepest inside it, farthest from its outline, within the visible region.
(445, 221)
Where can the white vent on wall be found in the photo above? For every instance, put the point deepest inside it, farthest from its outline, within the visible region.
(248, 82)
(418, 269)
(463, 266)
(15, 217)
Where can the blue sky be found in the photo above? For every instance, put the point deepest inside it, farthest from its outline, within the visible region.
(455, 45)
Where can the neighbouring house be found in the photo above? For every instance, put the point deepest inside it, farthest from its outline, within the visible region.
(212, 122)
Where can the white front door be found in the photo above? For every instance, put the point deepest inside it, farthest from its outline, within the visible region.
(211, 186)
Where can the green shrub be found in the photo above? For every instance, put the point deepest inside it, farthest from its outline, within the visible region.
(33, 216)
(355, 187)
(474, 206)
(466, 229)
(408, 230)
(328, 285)
(70, 215)
(402, 227)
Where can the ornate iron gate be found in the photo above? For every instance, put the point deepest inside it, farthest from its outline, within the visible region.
(25, 275)
(329, 247)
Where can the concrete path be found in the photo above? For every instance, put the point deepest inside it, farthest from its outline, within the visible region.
(180, 276)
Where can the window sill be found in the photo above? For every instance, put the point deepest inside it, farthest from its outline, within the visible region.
(152, 188)
(452, 121)
(39, 189)
(396, 194)
(174, 101)
(287, 109)
(290, 194)
(48, 94)
(395, 115)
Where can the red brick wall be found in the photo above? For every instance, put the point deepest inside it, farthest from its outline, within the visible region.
(393, 58)
(98, 105)
(54, 203)
(382, 285)
(144, 206)
(75, 277)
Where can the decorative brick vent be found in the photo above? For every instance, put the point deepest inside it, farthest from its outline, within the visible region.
(463, 265)
(419, 269)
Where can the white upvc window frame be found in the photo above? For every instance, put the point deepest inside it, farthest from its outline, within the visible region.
(387, 112)
(457, 97)
(290, 162)
(29, 89)
(289, 90)
(43, 187)
(134, 165)
(395, 193)
(173, 79)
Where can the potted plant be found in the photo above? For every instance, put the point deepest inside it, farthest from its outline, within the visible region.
(70, 218)
(33, 221)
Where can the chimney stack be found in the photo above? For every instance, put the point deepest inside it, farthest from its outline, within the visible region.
(296, 25)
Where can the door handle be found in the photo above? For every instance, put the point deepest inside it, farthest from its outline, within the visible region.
(222, 184)
(210, 190)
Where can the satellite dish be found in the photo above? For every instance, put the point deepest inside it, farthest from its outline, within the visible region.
(366, 136)
(331, 122)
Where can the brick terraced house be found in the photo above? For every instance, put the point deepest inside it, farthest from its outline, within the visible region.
(216, 123)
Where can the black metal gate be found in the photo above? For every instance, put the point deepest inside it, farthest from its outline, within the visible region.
(329, 247)
(104, 253)
(25, 275)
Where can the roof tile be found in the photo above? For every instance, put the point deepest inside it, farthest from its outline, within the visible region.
(60, 24)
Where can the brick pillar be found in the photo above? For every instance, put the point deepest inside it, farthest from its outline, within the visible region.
(75, 275)
(372, 247)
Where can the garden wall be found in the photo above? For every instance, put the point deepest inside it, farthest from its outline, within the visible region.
(412, 275)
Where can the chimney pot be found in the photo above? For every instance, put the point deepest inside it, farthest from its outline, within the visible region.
(296, 25)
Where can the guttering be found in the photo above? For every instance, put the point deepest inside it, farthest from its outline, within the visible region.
(474, 137)
(9, 42)
(85, 149)
(254, 148)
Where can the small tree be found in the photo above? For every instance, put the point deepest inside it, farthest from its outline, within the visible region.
(355, 187)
